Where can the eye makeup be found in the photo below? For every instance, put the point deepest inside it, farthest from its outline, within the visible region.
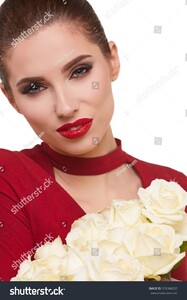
(35, 87)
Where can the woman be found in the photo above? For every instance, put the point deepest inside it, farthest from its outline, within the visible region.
(56, 69)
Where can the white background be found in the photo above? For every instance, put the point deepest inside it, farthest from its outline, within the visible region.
(151, 93)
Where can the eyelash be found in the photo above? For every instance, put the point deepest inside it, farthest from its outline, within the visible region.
(86, 67)
(29, 89)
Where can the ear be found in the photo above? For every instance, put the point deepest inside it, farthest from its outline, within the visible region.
(114, 61)
(9, 96)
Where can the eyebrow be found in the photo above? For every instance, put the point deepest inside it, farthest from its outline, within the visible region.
(65, 68)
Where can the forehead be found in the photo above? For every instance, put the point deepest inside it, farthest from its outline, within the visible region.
(46, 48)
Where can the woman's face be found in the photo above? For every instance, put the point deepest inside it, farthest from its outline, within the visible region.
(57, 77)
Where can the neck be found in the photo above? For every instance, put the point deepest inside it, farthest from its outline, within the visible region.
(107, 157)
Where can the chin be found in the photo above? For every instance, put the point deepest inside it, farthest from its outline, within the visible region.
(74, 147)
(80, 148)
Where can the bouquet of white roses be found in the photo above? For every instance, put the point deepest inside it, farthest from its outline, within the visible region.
(132, 240)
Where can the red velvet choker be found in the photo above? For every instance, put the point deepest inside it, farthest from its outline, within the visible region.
(87, 166)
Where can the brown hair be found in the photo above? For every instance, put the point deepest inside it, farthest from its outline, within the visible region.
(17, 16)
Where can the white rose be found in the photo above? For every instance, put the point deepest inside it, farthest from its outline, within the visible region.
(92, 229)
(156, 246)
(55, 248)
(50, 263)
(53, 255)
(104, 267)
(122, 212)
(160, 265)
(155, 236)
(86, 232)
(182, 228)
(164, 202)
(36, 271)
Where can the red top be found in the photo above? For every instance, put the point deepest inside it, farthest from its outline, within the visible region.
(35, 209)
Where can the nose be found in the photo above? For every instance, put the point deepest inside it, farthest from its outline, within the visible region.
(65, 105)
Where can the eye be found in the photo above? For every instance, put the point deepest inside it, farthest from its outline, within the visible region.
(81, 71)
(32, 88)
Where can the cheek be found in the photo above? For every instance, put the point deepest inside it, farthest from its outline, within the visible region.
(34, 110)
(101, 91)
(38, 123)
(37, 116)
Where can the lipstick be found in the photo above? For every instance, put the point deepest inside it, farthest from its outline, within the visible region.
(76, 129)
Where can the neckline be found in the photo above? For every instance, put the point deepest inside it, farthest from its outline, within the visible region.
(87, 166)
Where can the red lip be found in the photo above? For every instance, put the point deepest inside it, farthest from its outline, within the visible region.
(83, 126)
